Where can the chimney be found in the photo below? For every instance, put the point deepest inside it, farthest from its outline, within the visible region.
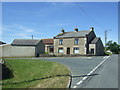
(76, 29)
(62, 31)
(91, 29)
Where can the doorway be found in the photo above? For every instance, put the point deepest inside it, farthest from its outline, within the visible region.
(68, 50)
(92, 51)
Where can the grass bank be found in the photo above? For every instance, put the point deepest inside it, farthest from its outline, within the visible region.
(35, 74)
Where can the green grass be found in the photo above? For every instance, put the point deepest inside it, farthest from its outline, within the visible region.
(46, 53)
(108, 53)
(18, 57)
(26, 70)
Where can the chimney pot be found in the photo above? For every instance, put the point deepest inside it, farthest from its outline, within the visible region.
(91, 28)
(62, 31)
(76, 29)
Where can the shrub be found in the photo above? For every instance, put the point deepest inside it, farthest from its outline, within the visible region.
(46, 53)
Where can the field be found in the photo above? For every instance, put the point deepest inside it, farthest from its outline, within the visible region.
(35, 74)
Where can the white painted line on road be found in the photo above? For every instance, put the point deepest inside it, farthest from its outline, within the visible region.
(79, 82)
(84, 78)
(105, 58)
(74, 86)
(98, 65)
(89, 57)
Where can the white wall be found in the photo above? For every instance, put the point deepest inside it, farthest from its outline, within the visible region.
(92, 46)
(16, 51)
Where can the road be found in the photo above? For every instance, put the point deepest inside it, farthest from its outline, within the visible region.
(106, 76)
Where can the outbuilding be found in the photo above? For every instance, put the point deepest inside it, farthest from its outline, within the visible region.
(23, 48)
(49, 45)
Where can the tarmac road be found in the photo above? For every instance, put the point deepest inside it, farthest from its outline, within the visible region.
(90, 72)
(106, 76)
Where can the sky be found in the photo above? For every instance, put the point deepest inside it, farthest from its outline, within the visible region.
(21, 20)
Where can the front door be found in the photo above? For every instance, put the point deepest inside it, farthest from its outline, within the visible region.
(92, 51)
(68, 50)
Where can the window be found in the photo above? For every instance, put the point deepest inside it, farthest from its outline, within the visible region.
(76, 41)
(76, 50)
(61, 41)
(51, 49)
(60, 50)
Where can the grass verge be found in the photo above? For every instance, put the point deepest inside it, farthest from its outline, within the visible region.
(107, 53)
(30, 73)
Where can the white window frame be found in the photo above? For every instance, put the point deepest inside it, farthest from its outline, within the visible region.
(76, 50)
(76, 40)
(61, 42)
(60, 51)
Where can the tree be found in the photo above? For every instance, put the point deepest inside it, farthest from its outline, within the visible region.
(113, 46)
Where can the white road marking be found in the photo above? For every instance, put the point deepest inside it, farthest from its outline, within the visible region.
(79, 82)
(105, 58)
(89, 57)
(84, 57)
(84, 78)
(74, 86)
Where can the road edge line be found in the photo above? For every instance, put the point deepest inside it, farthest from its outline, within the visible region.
(86, 77)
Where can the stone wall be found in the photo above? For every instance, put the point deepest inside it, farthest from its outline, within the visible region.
(69, 42)
(47, 48)
(92, 46)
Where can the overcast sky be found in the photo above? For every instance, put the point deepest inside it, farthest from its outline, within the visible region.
(21, 20)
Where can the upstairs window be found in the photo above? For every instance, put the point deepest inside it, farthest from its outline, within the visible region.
(61, 41)
(76, 41)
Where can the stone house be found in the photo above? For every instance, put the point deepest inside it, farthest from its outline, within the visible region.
(22, 48)
(49, 45)
(78, 42)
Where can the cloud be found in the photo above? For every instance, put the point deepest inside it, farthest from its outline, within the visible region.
(58, 25)
(28, 30)
(54, 3)
(21, 31)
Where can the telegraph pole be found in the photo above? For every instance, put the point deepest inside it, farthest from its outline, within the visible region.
(32, 36)
(106, 37)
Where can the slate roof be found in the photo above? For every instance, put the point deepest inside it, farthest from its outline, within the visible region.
(95, 40)
(48, 41)
(25, 42)
(2, 43)
(73, 34)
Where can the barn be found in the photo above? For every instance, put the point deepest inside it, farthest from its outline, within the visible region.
(23, 48)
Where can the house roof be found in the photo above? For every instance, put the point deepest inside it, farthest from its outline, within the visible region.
(73, 34)
(95, 40)
(48, 41)
(25, 42)
(2, 43)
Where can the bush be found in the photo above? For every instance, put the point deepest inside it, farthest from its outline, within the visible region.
(46, 53)
(107, 53)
